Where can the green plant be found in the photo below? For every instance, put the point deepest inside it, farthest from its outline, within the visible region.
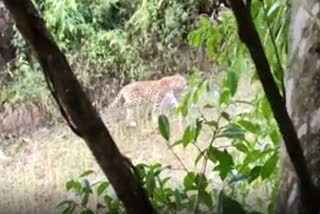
(250, 147)
(112, 39)
(130, 40)
(242, 152)
(246, 160)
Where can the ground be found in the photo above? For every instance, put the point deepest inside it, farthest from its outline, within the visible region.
(33, 179)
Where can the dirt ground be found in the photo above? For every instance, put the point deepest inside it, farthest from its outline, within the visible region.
(33, 179)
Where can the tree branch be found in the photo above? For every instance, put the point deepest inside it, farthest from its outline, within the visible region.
(77, 108)
(310, 195)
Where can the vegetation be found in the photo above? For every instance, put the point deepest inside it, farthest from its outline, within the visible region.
(112, 39)
(132, 40)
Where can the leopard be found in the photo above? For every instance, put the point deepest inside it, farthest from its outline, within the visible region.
(150, 97)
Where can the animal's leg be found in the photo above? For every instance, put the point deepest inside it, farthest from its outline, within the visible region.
(130, 117)
(155, 114)
(167, 103)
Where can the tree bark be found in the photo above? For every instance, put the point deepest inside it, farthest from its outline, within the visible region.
(77, 108)
(302, 98)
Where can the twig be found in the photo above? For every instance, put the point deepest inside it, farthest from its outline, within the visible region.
(205, 161)
(177, 157)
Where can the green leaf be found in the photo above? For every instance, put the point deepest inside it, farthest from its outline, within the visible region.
(193, 78)
(233, 131)
(201, 87)
(254, 174)
(239, 178)
(75, 185)
(88, 172)
(204, 22)
(87, 211)
(269, 167)
(275, 136)
(231, 206)
(224, 159)
(85, 199)
(213, 39)
(195, 38)
(265, 108)
(225, 115)
(249, 126)
(183, 108)
(201, 181)
(206, 198)
(164, 127)
(150, 183)
(241, 147)
(198, 129)
(165, 180)
(102, 187)
(178, 142)
(212, 123)
(69, 209)
(189, 181)
(253, 156)
(225, 97)
(188, 135)
(232, 82)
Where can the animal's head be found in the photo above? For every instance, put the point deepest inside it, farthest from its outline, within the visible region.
(175, 82)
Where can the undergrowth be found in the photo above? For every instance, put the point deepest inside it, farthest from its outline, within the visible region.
(131, 40)
(249, 156)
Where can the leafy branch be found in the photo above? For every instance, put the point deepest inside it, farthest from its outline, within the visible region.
(310, 195)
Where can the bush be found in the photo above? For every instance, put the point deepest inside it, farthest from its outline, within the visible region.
(249, 157)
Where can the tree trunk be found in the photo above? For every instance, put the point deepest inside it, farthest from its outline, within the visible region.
(299, 188)
(77, 108)
(302, 99)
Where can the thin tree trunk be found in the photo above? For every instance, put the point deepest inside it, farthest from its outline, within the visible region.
(77, 109)
(300, 124)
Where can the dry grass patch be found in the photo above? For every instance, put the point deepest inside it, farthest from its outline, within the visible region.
(34, 179)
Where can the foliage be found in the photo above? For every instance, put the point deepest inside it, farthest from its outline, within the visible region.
(196, 189)
(130, 39)
(113, 39)
(249, 155)
(247, 160)
(222, 42)
(246, 131)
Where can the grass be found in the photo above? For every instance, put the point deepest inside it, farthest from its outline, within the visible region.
(34, 179)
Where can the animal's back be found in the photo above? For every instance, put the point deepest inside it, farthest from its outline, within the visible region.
(148, 95)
